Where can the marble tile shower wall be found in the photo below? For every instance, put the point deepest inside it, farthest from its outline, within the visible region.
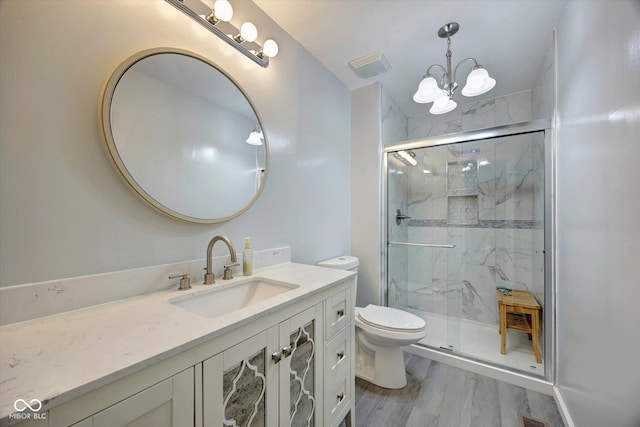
(543, 97)
(543, 92)
(481, 114)
(461, 282)
(394, 121)
(394, 129)
(504, 247)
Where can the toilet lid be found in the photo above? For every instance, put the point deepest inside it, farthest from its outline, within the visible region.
(391, 318)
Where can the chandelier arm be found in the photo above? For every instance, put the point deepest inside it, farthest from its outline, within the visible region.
(444, 70)
(460, 63)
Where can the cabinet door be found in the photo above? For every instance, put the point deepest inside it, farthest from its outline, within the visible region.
(240, 385)
(168, 403)
(301, 371)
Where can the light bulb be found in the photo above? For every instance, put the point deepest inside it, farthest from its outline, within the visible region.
(223, 10)
(270, 48)
(249, 32)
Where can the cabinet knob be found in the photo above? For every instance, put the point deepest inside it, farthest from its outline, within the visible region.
(340, 354)
(276, 357)
(340, 312)
(340, 397)
(286, 351)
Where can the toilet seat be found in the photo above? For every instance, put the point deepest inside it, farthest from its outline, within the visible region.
(390, 319)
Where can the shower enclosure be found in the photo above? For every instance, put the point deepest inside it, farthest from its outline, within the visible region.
(466, 214)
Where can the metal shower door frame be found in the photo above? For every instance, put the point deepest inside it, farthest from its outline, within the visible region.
(544, 125)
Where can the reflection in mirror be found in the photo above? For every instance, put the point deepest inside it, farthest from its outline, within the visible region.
(181, 134)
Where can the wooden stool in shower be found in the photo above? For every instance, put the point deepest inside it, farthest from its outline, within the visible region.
(519, 311)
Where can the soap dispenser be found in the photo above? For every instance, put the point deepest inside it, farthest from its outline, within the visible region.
(247, 258)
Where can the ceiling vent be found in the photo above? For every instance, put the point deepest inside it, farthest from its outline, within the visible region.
(370, 65)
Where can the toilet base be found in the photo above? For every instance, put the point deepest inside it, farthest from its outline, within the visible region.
(383, 367)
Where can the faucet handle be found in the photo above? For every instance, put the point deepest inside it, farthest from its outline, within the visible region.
(209, 278)
(185, 280)
(228, 273)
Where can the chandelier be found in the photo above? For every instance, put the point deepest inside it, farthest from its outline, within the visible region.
(441, 94)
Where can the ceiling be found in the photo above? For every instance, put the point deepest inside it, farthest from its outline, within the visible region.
(507, 37)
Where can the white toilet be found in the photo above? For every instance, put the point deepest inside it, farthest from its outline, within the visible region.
(381, 332)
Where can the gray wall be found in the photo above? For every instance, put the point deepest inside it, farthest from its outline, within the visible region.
(376, 120)
(598, 239)
(366, 149)
(64, 211)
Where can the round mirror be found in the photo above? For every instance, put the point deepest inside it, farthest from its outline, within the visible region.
(184, 136)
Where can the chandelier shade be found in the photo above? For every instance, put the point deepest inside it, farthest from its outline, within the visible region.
(428, 91)
(442, 105)
(478, 82)
(255, 137)
(441, 94)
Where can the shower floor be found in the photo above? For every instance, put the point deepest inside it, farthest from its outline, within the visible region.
(480, 341)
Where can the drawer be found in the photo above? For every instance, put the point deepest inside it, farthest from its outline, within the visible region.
(338, 356)
(337, 398)
(337, 313)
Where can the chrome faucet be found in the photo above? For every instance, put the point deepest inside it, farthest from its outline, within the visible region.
(209, 277)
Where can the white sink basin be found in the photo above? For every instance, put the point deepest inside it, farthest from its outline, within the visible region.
(223, 299)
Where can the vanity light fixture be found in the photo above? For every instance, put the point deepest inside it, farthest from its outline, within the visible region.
(217, 19)
(441, 94)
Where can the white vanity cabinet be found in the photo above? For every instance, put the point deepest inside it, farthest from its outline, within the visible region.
(289, 366)
(166, 404)
(272, 379)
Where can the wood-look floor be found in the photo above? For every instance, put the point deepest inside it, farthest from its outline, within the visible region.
(439, 395)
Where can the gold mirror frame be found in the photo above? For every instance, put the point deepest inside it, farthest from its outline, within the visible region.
(111, 147)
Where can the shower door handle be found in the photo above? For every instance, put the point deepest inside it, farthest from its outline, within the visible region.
(400, 216)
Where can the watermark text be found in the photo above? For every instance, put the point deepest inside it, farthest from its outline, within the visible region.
(28, 410)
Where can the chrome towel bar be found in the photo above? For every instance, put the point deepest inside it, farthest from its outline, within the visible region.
(426, 245)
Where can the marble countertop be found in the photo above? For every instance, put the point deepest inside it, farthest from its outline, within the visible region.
(59, 357)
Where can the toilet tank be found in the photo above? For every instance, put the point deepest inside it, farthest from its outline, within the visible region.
(345, 262)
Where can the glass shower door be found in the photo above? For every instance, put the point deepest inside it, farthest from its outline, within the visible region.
(421, 253)
(463, 219)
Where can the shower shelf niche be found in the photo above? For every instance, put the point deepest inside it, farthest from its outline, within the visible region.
(462, 192)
